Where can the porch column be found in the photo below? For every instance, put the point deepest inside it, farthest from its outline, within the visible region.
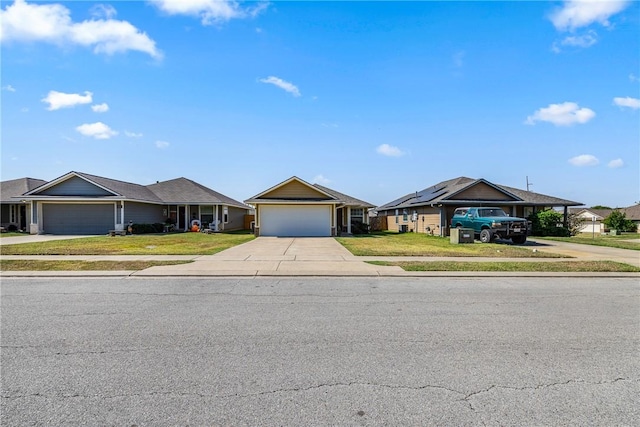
(348, 219)
(121, 216)
(216, 221)
(565, 222)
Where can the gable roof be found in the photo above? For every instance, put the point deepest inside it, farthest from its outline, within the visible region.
(175, 191)
(344, 198)
(186, 191)
(12, 190)
(268, 194)
(600, 214)
(632, 212)
(443, 194)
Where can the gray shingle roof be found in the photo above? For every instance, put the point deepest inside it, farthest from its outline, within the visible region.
(632, 212)
(186, 191)
(442, 192)
(175, 191)
(10, 191)
(344, 198)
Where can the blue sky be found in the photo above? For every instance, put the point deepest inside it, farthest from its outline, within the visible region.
(373, 99)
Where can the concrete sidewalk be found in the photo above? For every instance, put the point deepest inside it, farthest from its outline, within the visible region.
(270, 256)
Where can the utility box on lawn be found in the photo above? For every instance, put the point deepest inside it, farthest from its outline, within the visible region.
(461, 235)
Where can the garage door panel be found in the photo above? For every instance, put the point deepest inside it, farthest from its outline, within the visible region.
(77, 219)
(295, 221)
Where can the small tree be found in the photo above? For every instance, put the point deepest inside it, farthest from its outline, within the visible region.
(548, 223)
(575, 223)
(617, 220)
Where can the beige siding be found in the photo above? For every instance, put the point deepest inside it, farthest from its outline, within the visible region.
(295, 190)
(481, 191)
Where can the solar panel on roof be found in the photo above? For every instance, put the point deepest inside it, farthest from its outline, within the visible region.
(429, 194)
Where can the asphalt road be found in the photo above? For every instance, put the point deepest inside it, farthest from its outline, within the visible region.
(326, 351)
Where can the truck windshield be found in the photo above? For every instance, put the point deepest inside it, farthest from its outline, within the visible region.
(492, 212)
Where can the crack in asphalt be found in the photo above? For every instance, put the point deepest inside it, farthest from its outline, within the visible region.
(465, 398)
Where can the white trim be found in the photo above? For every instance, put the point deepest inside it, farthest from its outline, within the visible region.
(67, 177)
(283, 183)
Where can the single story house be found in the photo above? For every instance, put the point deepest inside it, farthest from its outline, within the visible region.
(295, 207)
(633, 213)
(14, 210)
(430, 210)
(80, 203)
(592, 219)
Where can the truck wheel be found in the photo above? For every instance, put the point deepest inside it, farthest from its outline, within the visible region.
(519, 240)
(486, 236)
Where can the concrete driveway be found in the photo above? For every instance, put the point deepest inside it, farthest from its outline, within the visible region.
(35, 238)
(586, 252)
(273, 256)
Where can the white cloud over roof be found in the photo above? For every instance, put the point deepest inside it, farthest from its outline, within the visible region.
(282, 84)
(565, 114)
(584, 160)
(96, 130)
(389, 150)
(100, 108)
(616, 163)
(58, 100)
(576, 14)
(633, 103)
(52, 23)
(209, 11)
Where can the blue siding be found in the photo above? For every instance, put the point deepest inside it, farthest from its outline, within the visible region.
(143, 213)
(75, 187)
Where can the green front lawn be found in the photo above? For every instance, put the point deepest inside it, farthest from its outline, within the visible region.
(619, 241)
(417, 244)
(38, 265)
(142, 244)
(555, 266)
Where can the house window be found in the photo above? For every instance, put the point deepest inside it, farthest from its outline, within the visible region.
(225, 214)
(396, 216)
(13, 213)
(404, 215)
(206, 215)
(357, 214)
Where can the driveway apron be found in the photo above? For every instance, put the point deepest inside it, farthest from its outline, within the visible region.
(275, 256)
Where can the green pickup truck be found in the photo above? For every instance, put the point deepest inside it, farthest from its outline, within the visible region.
(491, 223)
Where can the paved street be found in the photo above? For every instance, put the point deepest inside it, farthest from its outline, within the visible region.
(320, 351)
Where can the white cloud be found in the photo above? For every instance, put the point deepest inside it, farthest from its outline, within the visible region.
(162, 144)
(584, 160)
(565, 114)
(132, 134)
(633, 103)
(616, 163)
(634, 78)
(320, 179)
(458, 58)
(57, 100)
(51, 23)
(580, 41)
(96, 130)
(103, 11)
(100, 108)
(209, 11)
(576, 14)
(284, 85)
(9, 88)
(389, 150)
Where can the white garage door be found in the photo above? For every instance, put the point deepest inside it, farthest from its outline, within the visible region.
(294, 221)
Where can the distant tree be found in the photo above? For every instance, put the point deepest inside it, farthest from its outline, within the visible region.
(617, 220)
(600, 207)
(575, 223)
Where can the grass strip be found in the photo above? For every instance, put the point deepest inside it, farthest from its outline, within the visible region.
(143, 244)
(37, 265)
(607, 241)
(419, 244)
(553, 267)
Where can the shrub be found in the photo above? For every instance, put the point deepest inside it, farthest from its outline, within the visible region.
(147, 228)
(12, 227)
(548, 223)
(359, 227)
